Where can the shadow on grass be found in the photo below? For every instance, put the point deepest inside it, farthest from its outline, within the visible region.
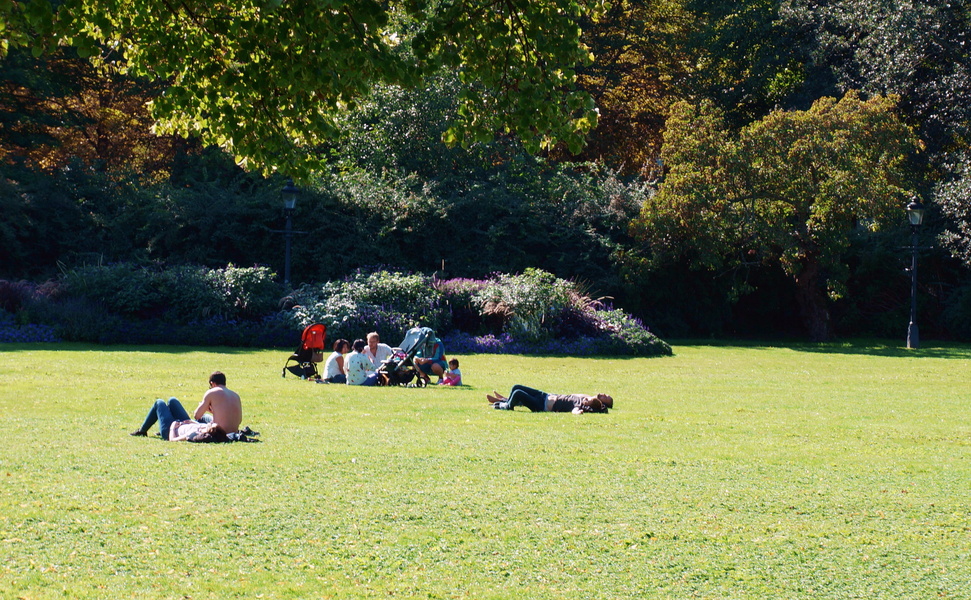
(865, 347)
(591, 357)
(124, 348)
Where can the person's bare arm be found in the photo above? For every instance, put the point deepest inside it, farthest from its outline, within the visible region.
(202, 408)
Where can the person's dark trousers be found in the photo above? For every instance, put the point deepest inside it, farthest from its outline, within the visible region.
(165, 414)
(533, 399)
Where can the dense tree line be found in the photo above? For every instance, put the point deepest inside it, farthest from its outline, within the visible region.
(747, 173)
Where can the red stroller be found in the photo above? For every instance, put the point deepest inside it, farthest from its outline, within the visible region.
(308, 353)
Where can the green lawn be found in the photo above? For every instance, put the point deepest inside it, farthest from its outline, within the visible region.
(746, 471)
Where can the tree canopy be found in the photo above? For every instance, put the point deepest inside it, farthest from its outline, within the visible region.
(789, 188)
(266, 79)
(97, 98)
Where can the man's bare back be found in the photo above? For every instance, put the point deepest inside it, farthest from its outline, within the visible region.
(224, 405)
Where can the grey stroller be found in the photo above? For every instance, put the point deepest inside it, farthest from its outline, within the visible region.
(401, 369)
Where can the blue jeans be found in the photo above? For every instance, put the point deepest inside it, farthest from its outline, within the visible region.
(164, 414)
(531, 398)
(372, 379)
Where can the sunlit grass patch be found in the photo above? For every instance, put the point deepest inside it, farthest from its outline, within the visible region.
(725, 472)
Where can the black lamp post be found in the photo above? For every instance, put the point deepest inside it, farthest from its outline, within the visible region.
(289, 193)
(915, 214)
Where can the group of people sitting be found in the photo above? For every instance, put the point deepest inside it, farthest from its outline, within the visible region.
(218, 416)
(359, 363)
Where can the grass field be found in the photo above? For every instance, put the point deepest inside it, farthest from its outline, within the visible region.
(747, 471)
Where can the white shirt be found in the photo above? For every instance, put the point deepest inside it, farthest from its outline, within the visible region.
(331, 369)
(382, 354)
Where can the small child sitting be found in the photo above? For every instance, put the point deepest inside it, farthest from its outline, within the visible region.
(453, 376)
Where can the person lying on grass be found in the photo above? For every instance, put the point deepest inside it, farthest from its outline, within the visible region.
(538, 401)
(222, 404)
(175, 425)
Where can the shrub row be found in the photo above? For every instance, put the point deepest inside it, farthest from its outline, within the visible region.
(179, 294)
(124, 303)
(532, 312)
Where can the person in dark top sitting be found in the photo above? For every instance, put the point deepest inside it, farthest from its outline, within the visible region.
(538, 401)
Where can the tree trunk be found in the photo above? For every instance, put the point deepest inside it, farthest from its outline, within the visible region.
(812, 301)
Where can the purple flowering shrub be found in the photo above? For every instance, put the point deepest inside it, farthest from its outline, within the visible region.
(459, 295)
(269, 332)
(531, 313)
(626, 334)
(124, 304)
(537, 313)
(12, 332)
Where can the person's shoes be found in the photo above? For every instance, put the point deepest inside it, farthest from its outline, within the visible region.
(247, 431)
(138, 433)
(501, 405)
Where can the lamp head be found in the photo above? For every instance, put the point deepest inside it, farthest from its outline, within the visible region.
(915, 212)
(290, 193)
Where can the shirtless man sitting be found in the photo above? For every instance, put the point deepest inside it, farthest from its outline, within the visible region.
(222, 403)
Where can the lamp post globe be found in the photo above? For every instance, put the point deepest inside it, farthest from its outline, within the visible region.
(915, 215)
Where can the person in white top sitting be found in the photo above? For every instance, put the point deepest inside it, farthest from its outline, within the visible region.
(376, 351)
(334, 367)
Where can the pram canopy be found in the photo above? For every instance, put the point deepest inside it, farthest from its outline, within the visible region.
(400, 369)
(415, 338)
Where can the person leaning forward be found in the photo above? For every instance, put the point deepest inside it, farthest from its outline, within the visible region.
(222, 403)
